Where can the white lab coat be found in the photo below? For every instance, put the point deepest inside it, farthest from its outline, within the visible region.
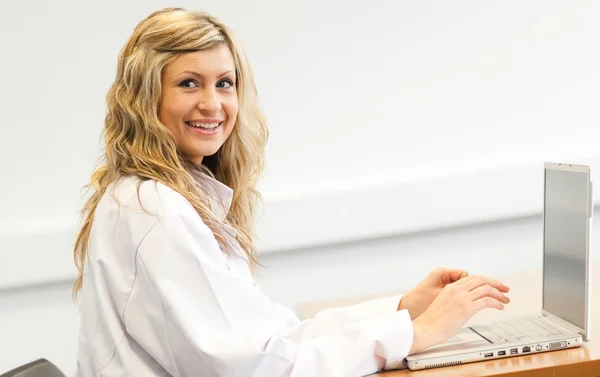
(160, 298)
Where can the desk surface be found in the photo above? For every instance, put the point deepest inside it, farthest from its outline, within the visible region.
(526, 298)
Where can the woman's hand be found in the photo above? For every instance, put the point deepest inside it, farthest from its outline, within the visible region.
(417, 300)
(454, 306)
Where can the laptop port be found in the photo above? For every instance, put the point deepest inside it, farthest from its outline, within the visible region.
(526, 349)
(488, 354)
(514, 351)
(555, 345)
(501, 353)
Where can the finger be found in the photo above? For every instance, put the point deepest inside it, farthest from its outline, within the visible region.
(448, 276)
(486, 302)
(456, 275)
(473, 282)
(488, 291)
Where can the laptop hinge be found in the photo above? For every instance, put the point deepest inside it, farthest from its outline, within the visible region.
(564, 324)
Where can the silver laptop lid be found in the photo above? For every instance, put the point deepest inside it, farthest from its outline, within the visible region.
(567, 215)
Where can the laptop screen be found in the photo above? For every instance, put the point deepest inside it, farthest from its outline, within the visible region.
(566, 222)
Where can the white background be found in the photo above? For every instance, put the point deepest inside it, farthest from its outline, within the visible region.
(386, 118)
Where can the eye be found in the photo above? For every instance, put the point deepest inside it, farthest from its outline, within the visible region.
(225, 84)
(189, 83)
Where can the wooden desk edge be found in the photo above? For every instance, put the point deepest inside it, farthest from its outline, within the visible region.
(579, 368)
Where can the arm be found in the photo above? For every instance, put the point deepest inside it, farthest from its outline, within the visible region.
(192, 314)
(333, 318)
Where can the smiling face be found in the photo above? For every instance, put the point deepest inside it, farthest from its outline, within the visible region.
(199, 102)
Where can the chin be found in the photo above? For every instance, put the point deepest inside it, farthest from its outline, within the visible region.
(198, 155)
(209, 151)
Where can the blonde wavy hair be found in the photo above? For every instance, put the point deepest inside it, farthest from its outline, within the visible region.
(138, 144)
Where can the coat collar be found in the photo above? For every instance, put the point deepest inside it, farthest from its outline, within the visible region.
(220, 194)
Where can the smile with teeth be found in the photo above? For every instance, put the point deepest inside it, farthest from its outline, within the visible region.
(206, 126)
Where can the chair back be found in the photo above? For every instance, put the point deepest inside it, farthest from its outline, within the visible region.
(38, 368)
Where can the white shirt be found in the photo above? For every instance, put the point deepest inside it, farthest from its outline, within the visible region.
(160, 298)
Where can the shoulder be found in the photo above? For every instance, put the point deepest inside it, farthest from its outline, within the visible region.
(161, 221)
(134, 206)
(148, 196)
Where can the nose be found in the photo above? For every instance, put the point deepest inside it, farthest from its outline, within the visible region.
(209, 101)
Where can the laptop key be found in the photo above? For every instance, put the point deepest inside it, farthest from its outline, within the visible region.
(548, 327)
(503, 334)
(487, 334)
(496, 329)
(537, 328)
(512, 331)
(525, 330)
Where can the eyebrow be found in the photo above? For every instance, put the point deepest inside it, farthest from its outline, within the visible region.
(201, 76)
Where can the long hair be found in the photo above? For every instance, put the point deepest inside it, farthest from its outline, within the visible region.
(138, 144)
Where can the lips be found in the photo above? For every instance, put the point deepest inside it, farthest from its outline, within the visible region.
(211, 125)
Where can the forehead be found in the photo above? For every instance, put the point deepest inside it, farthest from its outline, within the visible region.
(213, 61)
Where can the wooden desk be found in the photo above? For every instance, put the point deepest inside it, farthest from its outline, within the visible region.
(526, 298)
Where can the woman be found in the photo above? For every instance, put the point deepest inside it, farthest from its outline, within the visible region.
(166, 249)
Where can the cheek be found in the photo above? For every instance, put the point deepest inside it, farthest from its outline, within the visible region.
(165, 110)
(166, 118)
(232, 108)
(173, 111)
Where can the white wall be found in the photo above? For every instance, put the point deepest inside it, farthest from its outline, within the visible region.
(412, 103)
(387, 118)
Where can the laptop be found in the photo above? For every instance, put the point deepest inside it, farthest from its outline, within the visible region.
(564, 320)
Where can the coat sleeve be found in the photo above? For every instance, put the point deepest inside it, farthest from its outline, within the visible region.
(196, 317)
(331, 319)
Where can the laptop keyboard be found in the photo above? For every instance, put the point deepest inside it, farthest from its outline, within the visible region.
(515, 330)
